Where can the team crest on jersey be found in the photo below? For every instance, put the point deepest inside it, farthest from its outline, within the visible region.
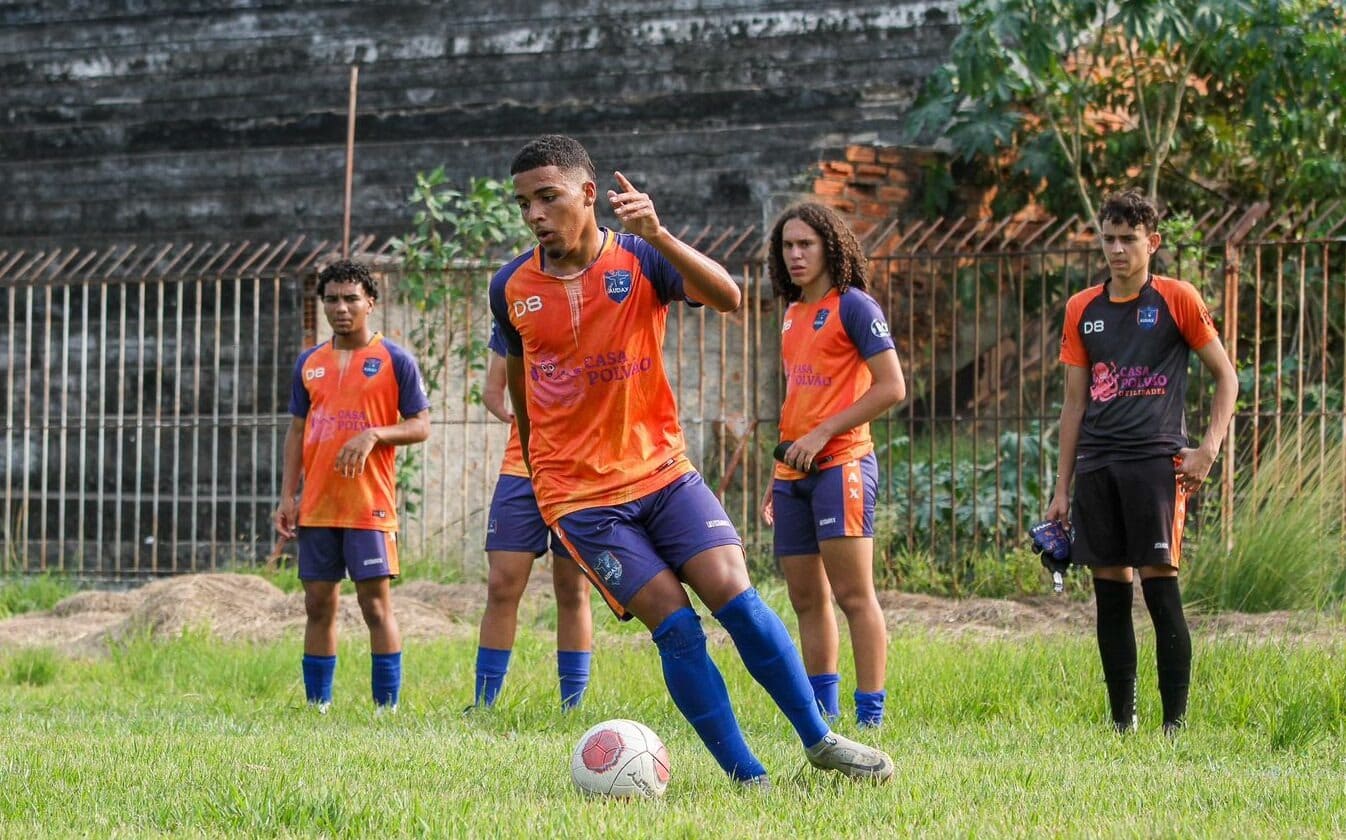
(879, 328)
(618, 284)
(372, 366)
(1147, 317)
(607, 568)
(820, 319)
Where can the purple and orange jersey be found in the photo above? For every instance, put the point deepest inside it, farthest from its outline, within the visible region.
(513, 463)
(825, 347)
(1136, 352)
(379, 382)
(603, 420)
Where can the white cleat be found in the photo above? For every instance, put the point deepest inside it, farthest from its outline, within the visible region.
(850, 758)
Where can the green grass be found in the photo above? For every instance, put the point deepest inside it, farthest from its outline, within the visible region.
(992, 738)
(28, 593)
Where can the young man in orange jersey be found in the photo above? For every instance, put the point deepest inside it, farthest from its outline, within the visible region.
(583, 316)
(1126, 345)
(841, 371)
(353, 399)
(515, 537)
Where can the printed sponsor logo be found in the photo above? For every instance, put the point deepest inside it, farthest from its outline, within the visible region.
(831, 520)
(854, 492)
(879, 328)
(1162, 545)
(786, 326)
(607, 568)
(315, 373)
(528, 304)
(1147, 317)
(618, 284)
(820, 319)
(719, 523)
(380, 514)
(373, 561)
(490, 527)
(372, 366)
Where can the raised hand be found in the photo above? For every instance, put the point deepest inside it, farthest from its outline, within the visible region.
(634, 209)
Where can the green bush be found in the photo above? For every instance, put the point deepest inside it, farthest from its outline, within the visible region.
(21, 594)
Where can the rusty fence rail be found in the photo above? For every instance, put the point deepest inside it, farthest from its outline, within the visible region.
(145, 393)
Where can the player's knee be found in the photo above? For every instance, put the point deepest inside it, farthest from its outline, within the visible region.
(857, 600)
(377, 608)
(320, 609)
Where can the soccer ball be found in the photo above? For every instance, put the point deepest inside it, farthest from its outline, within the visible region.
(620, 758)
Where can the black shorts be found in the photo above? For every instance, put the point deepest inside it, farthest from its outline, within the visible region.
(1129, 513)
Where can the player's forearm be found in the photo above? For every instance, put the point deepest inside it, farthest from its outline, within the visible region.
(1068, 438)
(518, 396)
(410, 430)
(1222, 411)
(292, 463)
(872, 404)
(703, 279)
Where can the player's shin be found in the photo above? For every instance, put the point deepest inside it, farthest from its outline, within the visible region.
(492, 665)
(572, 670)
(770, 656)
(827, 694)
(1117, 649)
(319, 673)
(869, 708)
(385, 678)
(1173, 647)
(699, 692)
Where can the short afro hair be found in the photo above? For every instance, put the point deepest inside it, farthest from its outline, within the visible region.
(1129, 207)
(348, 271)
(553, 150)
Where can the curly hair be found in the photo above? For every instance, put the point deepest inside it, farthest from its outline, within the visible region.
(845, 258)
(1129, 207)
(348, 271)
(553, 150)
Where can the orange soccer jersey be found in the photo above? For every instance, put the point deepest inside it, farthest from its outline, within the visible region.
(513, 463)
(604, 423)
(824, 346)
(378, 383)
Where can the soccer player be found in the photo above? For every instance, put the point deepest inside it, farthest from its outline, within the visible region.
(583, 316)
(1126, 345)
(515, 537)
(353, 399)
(841, 371)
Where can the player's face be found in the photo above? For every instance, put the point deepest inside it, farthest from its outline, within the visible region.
(347, 308)
(1128, 250)
(802, 251)
(557, 205)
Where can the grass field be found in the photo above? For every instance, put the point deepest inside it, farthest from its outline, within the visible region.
(195, 737)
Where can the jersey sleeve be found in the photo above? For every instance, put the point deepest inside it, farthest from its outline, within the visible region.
(1072, 342)
(496, 344)
(666, 279)
(500, 307)
(1190, 314)
(413, 396)
(299, 399)
(865, 323)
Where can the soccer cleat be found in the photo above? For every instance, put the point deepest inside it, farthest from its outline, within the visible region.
(1122, 727)
(761, 784)
(385, 709)
(321, 708)
(850, 758)
(1173, 727)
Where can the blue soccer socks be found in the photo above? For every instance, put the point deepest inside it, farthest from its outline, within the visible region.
(827, 694)
(492, 665)
(869, 708)
(319, 672)
(572, 670)
(699, 692)
(770, 656)
(385, 678)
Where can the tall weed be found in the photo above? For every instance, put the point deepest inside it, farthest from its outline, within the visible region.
(1288, 551)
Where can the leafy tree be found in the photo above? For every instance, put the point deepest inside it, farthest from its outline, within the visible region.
(1088, 95)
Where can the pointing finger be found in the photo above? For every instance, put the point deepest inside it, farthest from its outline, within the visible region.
(626, 185)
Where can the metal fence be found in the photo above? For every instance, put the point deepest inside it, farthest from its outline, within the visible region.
(145, 392)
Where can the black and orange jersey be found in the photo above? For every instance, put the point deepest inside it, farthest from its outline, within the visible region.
(1136, 352)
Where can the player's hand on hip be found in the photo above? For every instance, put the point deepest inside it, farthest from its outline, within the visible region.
(634, 209)
(1191, 467)
(350, 461)
(286, 518)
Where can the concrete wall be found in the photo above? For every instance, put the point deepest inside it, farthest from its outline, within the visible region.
(221, 120)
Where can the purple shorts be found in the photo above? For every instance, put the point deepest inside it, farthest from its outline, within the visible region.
(622, 547)
(330, 553)
(837, 502)
(515, 523)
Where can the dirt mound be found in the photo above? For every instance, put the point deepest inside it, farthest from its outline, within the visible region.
(250, 608)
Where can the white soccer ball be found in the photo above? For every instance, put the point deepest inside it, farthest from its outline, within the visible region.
(620, 758)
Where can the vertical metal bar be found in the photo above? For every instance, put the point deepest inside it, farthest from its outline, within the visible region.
(1257, 360)
(195, 535)
(256, 507)
(12, 549)
(723, 323)
(137, 541)
(233, 522)
(467, 393)
(953, 407)
(100, 506)
(161, 290)
(83, 457)
(46, 398)
(1280, 341)
(214, 465)
(1302, 302)
(179, 429)
(978, 262)
(64, 391)
(119, 468)
(25, 507)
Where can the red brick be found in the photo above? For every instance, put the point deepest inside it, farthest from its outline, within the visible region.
(898, 175)
(836, 167)
(863, 227)
(871, 172)
(860, 190)
(873, 209)
(891, 156)
(841, 205)
(861, 154)
(828, 186)
(893, 195)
